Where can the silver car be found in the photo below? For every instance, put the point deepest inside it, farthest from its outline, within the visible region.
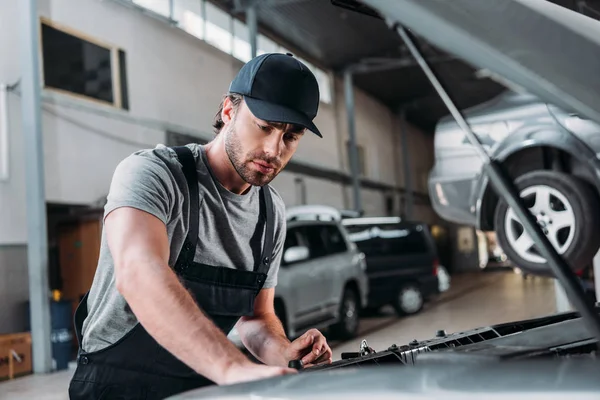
(553, 156)
(322, 281)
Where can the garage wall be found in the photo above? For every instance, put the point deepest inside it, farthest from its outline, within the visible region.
(175, 82)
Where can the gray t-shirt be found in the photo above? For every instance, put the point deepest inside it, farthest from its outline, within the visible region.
(231, 234)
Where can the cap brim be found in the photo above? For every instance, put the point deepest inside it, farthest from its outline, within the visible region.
(277, 113)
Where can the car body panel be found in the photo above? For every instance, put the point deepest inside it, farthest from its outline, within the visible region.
(549, 379)
(505, 125)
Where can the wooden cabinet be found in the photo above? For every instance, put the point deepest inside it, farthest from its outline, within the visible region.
(79, 248)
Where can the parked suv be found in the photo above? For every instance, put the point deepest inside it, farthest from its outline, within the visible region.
(322, 281)
(401, 260)
(550, 153)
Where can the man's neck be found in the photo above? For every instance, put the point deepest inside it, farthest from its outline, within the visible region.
(221, 166)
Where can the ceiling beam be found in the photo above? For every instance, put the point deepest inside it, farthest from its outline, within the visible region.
(370, 65)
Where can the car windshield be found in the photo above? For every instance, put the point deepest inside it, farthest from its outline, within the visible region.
(388, 239)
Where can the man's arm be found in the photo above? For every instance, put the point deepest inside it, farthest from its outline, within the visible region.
(263, 333)
(139, 245)
(264, 336)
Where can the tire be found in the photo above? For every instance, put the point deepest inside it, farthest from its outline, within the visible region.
(409, 300)
(568, 210)
(347, 326)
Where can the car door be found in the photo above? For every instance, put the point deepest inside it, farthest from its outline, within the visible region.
(298, 280)
(337, 269)
(313, 297)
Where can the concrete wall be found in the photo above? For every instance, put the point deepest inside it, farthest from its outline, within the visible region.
(175, 82)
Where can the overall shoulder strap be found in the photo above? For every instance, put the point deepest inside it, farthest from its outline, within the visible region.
(188, 163)
(269, 213)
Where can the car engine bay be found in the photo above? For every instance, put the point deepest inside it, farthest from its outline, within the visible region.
(558, 336)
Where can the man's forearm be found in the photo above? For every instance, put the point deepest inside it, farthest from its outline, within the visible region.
(265, 338)
(168, 312)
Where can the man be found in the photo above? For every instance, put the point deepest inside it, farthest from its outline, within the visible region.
(191, 246)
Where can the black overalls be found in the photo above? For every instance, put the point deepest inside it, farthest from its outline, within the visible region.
(136, 366)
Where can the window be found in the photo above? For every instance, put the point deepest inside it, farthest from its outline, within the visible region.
(334, 240)
(83, 67)
(208, 22)
(388, 239)
(314, 237)
(161, 7)
(218, 28)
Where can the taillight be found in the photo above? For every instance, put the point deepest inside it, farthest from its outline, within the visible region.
(436, 263)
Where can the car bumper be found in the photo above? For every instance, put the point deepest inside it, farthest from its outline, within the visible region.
(429, 285)
(451, 199)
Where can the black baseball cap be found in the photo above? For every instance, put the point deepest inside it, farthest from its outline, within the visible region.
(279, 88)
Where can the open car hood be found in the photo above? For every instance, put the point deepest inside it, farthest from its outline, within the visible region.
(548, 50)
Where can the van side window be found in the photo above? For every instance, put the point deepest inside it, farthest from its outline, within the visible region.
(382, 240)
(314, 237)
(334, 239)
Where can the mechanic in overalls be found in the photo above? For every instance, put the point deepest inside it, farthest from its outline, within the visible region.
(191, 246)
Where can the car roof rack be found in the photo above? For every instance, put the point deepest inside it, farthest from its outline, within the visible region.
(314, 212)
(319, 212)
(371, 220)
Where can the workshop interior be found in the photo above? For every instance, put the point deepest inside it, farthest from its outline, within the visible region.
(443, 233)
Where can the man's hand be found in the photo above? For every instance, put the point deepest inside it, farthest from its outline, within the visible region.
(311, 348)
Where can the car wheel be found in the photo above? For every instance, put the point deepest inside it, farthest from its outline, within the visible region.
(409, 300)
(566, 208)
(443, 279)
(347, 326)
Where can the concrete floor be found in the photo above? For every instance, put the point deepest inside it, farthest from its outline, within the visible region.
(474, 300)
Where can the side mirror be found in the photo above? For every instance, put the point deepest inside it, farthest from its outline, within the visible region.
(295, 254)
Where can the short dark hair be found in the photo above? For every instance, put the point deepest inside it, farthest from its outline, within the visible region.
(218, 123)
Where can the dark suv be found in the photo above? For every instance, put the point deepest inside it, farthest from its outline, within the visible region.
(401, 261)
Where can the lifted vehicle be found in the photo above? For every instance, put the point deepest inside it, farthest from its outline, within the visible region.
(557, 175)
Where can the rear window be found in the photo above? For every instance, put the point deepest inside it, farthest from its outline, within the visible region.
(389, 239)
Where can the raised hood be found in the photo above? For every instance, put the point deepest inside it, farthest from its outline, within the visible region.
(550, 51)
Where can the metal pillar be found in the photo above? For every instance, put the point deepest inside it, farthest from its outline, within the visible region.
(252, 23)
(37, 240)
(408, 186)
(352, 150)
(597, 276)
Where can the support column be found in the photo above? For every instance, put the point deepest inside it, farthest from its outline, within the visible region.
(597, 276)
(352, 150)
(252, 23)
(37, 239)
(408, 186)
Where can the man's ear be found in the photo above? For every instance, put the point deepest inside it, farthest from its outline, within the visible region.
(228, 111)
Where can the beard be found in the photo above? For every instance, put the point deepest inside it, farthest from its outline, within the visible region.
(242, 163)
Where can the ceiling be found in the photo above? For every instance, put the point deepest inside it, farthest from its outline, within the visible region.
(336, 38)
